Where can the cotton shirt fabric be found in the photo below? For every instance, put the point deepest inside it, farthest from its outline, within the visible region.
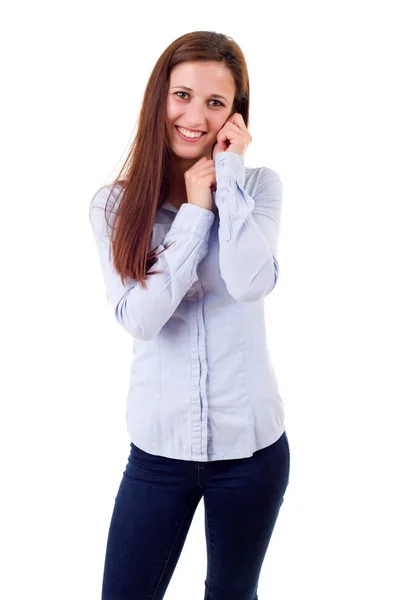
(202, 385)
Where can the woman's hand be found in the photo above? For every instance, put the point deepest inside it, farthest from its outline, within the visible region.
(200, 181)
(233, 136)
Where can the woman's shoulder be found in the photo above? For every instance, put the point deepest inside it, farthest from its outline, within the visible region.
(102, 195)
(260, 178)
(261, 172)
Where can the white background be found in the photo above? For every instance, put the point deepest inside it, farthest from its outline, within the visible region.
(324, 81)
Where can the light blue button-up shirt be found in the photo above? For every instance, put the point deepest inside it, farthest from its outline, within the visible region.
(202, 385)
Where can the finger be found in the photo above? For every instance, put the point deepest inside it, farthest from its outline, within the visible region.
(233, 127)
(208, 161)
(194, 168)
(237, 119)
(207, 170)
(202, 159)
(210, 167)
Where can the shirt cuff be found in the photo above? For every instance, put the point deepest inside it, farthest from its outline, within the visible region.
(230, 165)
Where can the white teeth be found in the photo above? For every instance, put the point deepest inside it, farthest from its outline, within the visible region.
(190, 134)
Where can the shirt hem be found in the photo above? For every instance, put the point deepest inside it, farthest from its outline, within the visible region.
(213, 456)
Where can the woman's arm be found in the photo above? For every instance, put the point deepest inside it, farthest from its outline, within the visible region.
(249, 228)
(142, 313)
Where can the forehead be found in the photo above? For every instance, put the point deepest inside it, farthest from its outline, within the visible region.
(213, 77)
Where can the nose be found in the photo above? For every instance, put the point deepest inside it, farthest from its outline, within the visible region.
(195, 116)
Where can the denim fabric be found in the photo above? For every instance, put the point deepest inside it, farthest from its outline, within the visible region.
(155, 505)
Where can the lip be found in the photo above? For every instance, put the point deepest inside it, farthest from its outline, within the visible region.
(189, 140)
(190, 129)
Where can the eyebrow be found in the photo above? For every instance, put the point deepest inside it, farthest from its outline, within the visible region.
(184, 87)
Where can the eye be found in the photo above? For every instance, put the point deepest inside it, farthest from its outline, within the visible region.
(181, 93)
(220, 103)
(212, 99)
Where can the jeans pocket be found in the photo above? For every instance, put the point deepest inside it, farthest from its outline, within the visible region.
(140, 463)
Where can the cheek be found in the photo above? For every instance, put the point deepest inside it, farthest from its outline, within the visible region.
(170, 111)
(218, 124)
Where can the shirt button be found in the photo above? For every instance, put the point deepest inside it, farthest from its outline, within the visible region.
(220, 163)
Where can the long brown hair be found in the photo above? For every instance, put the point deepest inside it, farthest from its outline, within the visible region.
(144, 178)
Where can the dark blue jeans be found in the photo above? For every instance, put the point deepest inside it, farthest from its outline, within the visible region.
(155, 505)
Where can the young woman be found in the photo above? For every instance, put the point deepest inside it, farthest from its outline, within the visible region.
(187, 239)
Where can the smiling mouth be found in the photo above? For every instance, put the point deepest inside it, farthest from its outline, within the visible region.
(177, 127)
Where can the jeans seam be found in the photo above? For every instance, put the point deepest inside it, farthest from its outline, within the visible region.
(172, 547)
(209, 558)
(288, 449)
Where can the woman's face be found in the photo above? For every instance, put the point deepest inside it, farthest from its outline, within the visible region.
(199, 109)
